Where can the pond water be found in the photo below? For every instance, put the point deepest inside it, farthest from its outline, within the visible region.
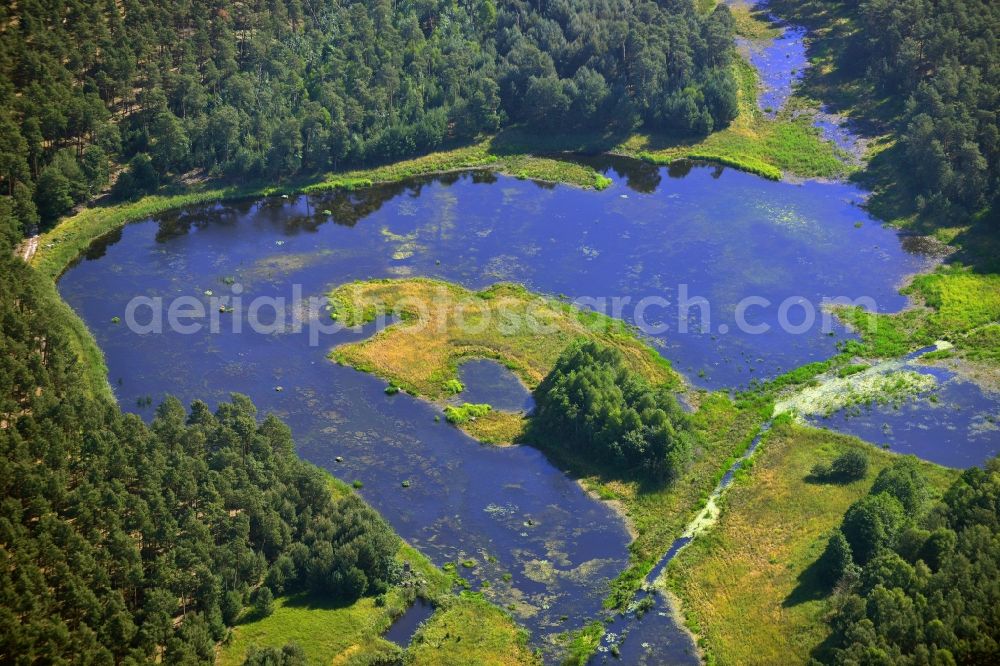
(487, 381)
(402, 629)
(780, 64)
(956, 424)
(679, 249)
(716, 233)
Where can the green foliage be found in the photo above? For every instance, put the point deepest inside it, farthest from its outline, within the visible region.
(591, 402)
(872, 524)
(836, 558)
(263, 602)
(921, 71)
(275, 89)
(453, 387)
(465, 412)
(903, 481)
(911, 50)
(932, 599)
(852, 369)
(290, 655)
(141, 542)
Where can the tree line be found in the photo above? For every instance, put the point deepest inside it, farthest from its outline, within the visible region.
(916, 581)
(279, 87)
(122, 542)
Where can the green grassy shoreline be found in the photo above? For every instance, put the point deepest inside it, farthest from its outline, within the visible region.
(61, 245)
(343, 634)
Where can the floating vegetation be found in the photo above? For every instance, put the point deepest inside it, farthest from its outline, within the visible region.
(406, 244)
(357, 485)
(870, 386)
(498, 511)
(116, 320)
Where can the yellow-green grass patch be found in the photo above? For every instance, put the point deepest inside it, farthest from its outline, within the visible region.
(753, 143)
(469, 631)
(443, 324)
(322, 631)
(497, 427)
(746, 585)
(952, 303)
(752, 23)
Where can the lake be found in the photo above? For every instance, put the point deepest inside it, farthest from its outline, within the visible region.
(658, 236)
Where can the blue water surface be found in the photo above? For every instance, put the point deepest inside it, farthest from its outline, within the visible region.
(707, 231)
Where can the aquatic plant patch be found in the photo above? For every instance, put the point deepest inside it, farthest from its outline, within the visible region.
(874, 386)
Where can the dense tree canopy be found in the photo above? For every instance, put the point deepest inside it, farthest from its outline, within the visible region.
(120, 540)
(594, 403)
(927, 590)
(940, 57)
(271, 88)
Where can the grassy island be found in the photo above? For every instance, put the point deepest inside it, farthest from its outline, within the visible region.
(442, 324)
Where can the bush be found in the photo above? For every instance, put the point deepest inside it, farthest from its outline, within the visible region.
(849, 466)
(903, 481)
(836, 558)
(290, 655)
(453, 387)
(232, 604)
(872, 524)
(467, 412)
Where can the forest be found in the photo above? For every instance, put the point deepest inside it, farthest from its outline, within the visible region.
(593, 403)
(141, 92)
(929, 76)
(126, 542)
(916, 581)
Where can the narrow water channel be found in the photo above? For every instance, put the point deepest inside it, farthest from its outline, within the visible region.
(650, 624)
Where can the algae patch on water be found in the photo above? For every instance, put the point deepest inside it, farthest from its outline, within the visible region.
(877, 385)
